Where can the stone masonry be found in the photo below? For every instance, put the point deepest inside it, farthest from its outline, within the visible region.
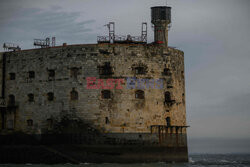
(33, 76)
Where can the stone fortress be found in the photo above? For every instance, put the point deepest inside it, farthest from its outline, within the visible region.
(124, 90)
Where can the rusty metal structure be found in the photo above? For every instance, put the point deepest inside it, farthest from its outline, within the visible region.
(45, 43)
(112, 38)
(11, 47)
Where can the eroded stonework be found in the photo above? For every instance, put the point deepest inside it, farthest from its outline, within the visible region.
(65, 69)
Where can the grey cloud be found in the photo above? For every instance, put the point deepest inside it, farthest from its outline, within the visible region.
(39, 23)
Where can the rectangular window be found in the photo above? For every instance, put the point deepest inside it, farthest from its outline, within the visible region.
(51, 73)
(106, 69)
(10, 124)
(140, 70)
(31, 97)
(74, 72)
(31, 74)
(50, 96)
(12, 76)
(106, 94)
(30, 122)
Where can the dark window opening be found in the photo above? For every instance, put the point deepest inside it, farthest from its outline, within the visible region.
(106, 69)
(30, 122)
(31, 97)
(49, 123)
(50, 96)
(106, 120)
(167, 72)
(106, 94)
(168, 121)
(11, 100)
(74, 72)
(167, 97)
(74, 94)
(10, 124)
(139, 94)
(31, 74)
(12, 76)
(51, 73)
(167, 110)
(140, 70)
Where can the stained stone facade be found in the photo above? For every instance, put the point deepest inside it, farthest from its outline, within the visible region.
(116, 101)
(42, 82)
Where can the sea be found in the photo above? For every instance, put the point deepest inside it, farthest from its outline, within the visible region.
(195, 160)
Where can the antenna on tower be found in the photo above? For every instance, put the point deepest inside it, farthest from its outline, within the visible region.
(166, 2)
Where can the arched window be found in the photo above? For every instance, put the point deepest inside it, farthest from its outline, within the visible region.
(167, 97)
(166, 72)
(140, 70)
(50, 96)
(11, 100)
(106, 69)
(29, 122)
(31, 97)
(168, 121)
(74, 94)
(106, 94)
(139, 94)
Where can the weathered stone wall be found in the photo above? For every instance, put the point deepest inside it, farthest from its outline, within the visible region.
(122, 113)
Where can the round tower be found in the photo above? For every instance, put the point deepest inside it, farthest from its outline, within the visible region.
(161, 18)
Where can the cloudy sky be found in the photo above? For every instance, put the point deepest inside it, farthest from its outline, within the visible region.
(214, 34)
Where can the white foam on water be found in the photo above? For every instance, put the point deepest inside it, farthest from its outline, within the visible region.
(191, 160)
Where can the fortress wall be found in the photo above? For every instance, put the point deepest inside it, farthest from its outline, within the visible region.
(125, 113)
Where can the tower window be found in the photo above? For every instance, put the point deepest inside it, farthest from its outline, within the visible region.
(50, 96)
(140, 70)
(106, 120)
(12, 76)
(106, 69)
(31, 97)
(51, 73)
(139, 94)
(10, 124)
(74, 72)
(31, 74)
(49, 123)
(106, 94)
(168, 121)
(11, 100)
(29, 122)
(167, 97)
(74, 94)
(167, 72)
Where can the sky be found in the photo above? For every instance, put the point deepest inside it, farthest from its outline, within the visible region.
(214, 35)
